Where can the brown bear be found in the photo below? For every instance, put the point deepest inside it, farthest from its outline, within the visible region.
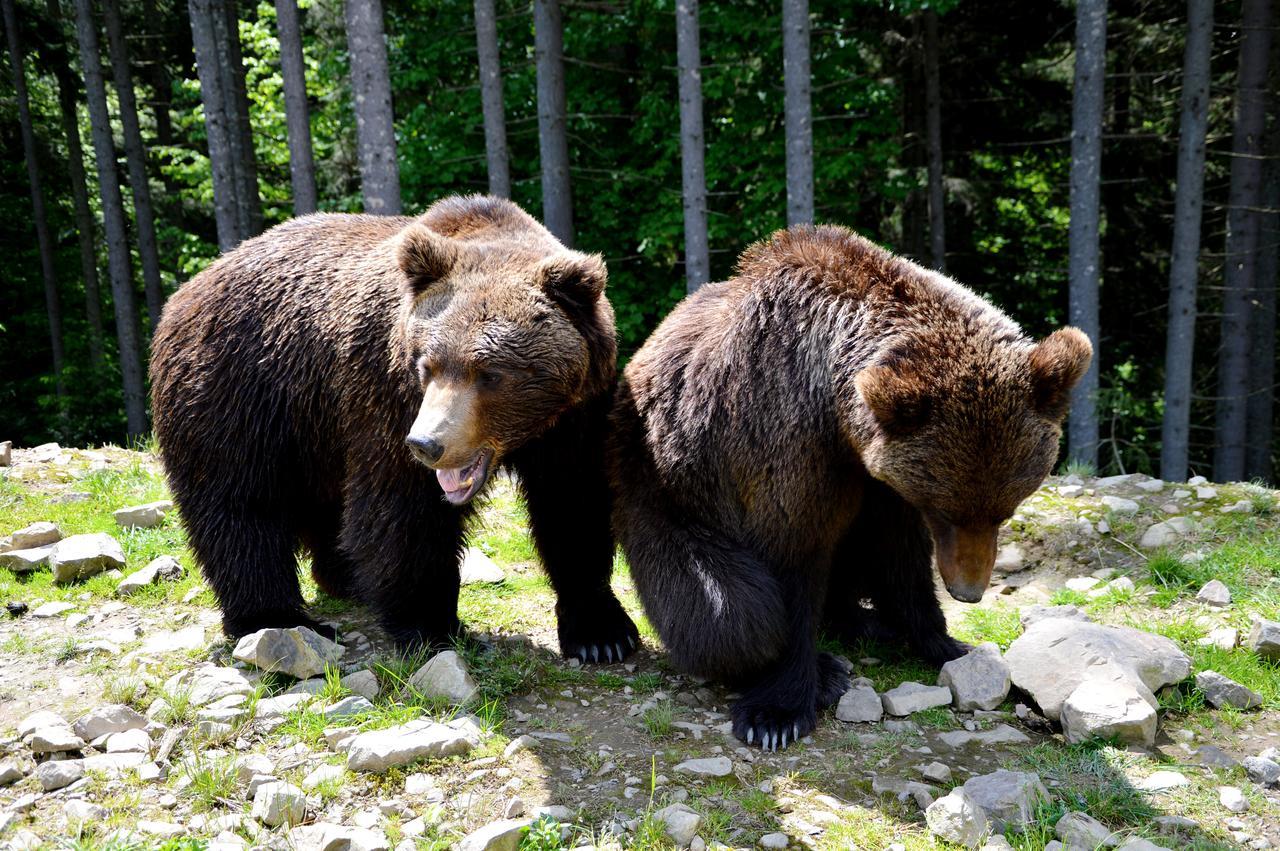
(801, 440)
(348, 384)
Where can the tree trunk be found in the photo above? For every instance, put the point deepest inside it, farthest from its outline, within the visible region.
(1082, 238)
(1184, 266)
(243, 160)
(136, 156)
(697, 261)
(1243, 219)
(43, 240)
(302, 170)
(495, 120)
(113, 220)
(375, 124)
(217, 129)
(798, 112)
(553, 142)
(933, 124)
(158, 73)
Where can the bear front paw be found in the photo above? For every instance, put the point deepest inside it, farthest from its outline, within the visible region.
(599, 631)
(833, 679)
(773, 726)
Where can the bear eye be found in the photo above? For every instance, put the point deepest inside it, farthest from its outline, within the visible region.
(489, 379)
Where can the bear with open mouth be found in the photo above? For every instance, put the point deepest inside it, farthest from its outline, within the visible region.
(347, 385)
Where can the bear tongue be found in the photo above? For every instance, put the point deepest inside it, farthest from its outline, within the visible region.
(451, 480)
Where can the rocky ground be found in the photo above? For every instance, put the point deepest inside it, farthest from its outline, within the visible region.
(1127, 695)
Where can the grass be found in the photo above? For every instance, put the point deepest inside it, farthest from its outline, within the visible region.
(212, 781)
(657, 719)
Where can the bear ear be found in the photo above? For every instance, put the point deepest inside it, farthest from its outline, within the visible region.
(572, 279)
(1057, 363)
(898, 399)
(425, 256)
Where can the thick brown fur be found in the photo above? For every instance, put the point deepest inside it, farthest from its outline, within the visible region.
(787, 440)
(287, 376)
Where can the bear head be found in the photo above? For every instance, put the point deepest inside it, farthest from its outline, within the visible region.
(504, 332)
(965, 427)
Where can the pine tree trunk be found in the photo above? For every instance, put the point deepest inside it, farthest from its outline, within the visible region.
(495, 120)
(1260, 424)
(933, 125)
(375, 125)
(1184, 266)
(136, 156)
(43, 240)
(243, 159)
(1083, 262)
(697, 262)
(553, 142)
(302, 170)
(1243, 219)
(158, 73)
(113, 221)
(798, 111)
(217, 129)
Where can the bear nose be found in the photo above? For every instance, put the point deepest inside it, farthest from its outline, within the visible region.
(427, 448)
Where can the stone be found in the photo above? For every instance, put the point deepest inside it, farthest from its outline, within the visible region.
(1083, 831)
(1233, 799)
(715, 766)
(325, 836)
(1264, 639)
(10, 772)
(174, 641)
(1010, 559)
(1107, 708)
(1223, 691)
(1167, 532)
(1214, 593)
(270, 708)
(680, 822)
(142, 516)
(1224, 638)
(26, 561)
(445, 676)
(207, 683)
(347, 707)
(1001, 734)
(322, 774)
(775, 841)
(54, 739)
(55, 774)
(82, 811)
(38, 719)
(297, 651)
(957, 818)
(52, 610)
(278, 803)
(39, 534)
(1121, 584)
(6, 453)
(859, 704)
(1120, 505)
(109, 718)
(1163, 781)
(938, 772)
(1151, 485)
(1009, 798)
(1212, 756)
(82, 556)
(519, 743)
(1137, 843)
(501, 835)
(1054, 656)
(379, 750)
(253, 765)
(129, 741)
(977, 680)
(1034, 614)
(164, 567)
(364, 683)
(913, 697)
(1263, 771)
(477, 568)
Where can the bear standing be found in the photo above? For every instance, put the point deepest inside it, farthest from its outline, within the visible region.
(347, 384)
(804, 438)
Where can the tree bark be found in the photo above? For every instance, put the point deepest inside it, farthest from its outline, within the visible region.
(1082, 238)
(375, 124)
(798, 111)
(244, 160)
(697, 260)
(553, 142)
(136, 157)
(158, 73)
(1243, 219)
(933, 125)
(43, 240)
(217, 130)
(293, 70)
(495, 119)
(1184, 266)
(113, 221)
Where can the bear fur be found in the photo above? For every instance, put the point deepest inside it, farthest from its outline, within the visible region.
(799, 441)
(296, 381)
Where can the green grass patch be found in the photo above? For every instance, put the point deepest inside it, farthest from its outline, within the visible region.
(999, 624)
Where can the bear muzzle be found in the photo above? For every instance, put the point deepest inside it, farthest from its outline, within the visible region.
(965, 558)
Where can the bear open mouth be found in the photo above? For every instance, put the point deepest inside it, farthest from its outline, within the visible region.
(462, 483)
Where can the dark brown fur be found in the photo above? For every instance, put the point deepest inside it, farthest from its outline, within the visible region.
(786, 440)
(288, 374)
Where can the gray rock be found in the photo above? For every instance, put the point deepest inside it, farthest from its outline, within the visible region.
(1264, 639)
(1009, 798)
(1001, 734)
(1214, 593)
(1233, 799)
(270, 708)
(52, 609)
(957, 818)
(445, 676)
(1224, 638)
(207, 683)
(860, 704)
(82, 811)
(681, 823)
(1163, 781)
(902, 789)
(1053, 657)
(347, 707)
(1263, 771)
(1107, 708)
(501, 835)
(278, 803)
(10, 772)
(26, 561)
(38, 719)
(1034, 614)
(297, 651)
(381, 749)
(142, 516)
(477, 568)
(1212, 756)
(914, 697)
(938, 772)
(55, 774)
(82, 556)
(54, 739)
(1166, 533)
(129, 741)
(775, 841)
(322, 774)
(109, 718)
(1083, 831)
(163, 567)
(174, 641)
(40, 534)
(364, 683)
(715, 766)
(1120, 505)
(1010, 559)
(1223, 691)
(977, 680)
(253, 765)
(325, 836)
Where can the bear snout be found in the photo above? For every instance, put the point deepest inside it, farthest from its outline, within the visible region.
(425, 448)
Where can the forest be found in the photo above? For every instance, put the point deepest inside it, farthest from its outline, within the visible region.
(1111, 165)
